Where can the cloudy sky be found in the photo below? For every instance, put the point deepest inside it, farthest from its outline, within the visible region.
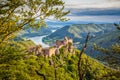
(93, 10)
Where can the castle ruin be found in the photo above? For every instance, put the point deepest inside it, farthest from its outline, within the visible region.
(53, 50)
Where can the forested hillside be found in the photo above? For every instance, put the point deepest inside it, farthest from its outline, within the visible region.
(106, 36)
(33, 32)
(16, 64)
(105, 40)
(101, 34)
(22, 59)
(78, 31)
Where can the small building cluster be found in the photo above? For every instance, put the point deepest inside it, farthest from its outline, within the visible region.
(54, 50)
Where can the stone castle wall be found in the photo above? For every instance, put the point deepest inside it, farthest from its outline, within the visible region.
(54, 50)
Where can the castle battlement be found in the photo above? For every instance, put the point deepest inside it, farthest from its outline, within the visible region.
(53, 50)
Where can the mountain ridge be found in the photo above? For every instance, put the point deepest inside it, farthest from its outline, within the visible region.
(78, 32)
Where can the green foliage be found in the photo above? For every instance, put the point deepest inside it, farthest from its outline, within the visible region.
(11, 63)
(112, 55)
(106, 51)
(104, 41)
(17, 15)
(16, 64)
(116, 49)
(78, 32)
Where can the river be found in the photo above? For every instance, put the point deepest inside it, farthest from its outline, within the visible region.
(38, 40)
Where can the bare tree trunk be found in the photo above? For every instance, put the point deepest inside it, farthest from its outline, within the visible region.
(81, 73)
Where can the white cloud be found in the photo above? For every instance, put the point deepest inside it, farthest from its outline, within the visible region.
(92, 3)
(95, 18)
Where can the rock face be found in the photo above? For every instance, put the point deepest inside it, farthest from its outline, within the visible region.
(54, 50)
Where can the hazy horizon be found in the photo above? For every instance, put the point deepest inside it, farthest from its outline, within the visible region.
(93, 11)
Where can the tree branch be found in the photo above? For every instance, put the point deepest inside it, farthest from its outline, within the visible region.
(41, 74)
(80, 57)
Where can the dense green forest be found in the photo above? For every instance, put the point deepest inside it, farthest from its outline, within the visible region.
(16, 63)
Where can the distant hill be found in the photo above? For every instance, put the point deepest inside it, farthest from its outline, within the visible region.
(33, 32)
(105, 40)
(103, 35)
(78, 32)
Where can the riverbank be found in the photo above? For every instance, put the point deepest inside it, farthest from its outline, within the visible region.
(38, 41)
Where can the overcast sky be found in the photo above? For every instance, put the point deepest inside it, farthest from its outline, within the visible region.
(93, 10)
(92, 3)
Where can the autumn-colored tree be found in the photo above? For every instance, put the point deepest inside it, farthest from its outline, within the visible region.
(17, 15)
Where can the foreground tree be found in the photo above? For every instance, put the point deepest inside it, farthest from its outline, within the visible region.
(17, 15)
(112, 55)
